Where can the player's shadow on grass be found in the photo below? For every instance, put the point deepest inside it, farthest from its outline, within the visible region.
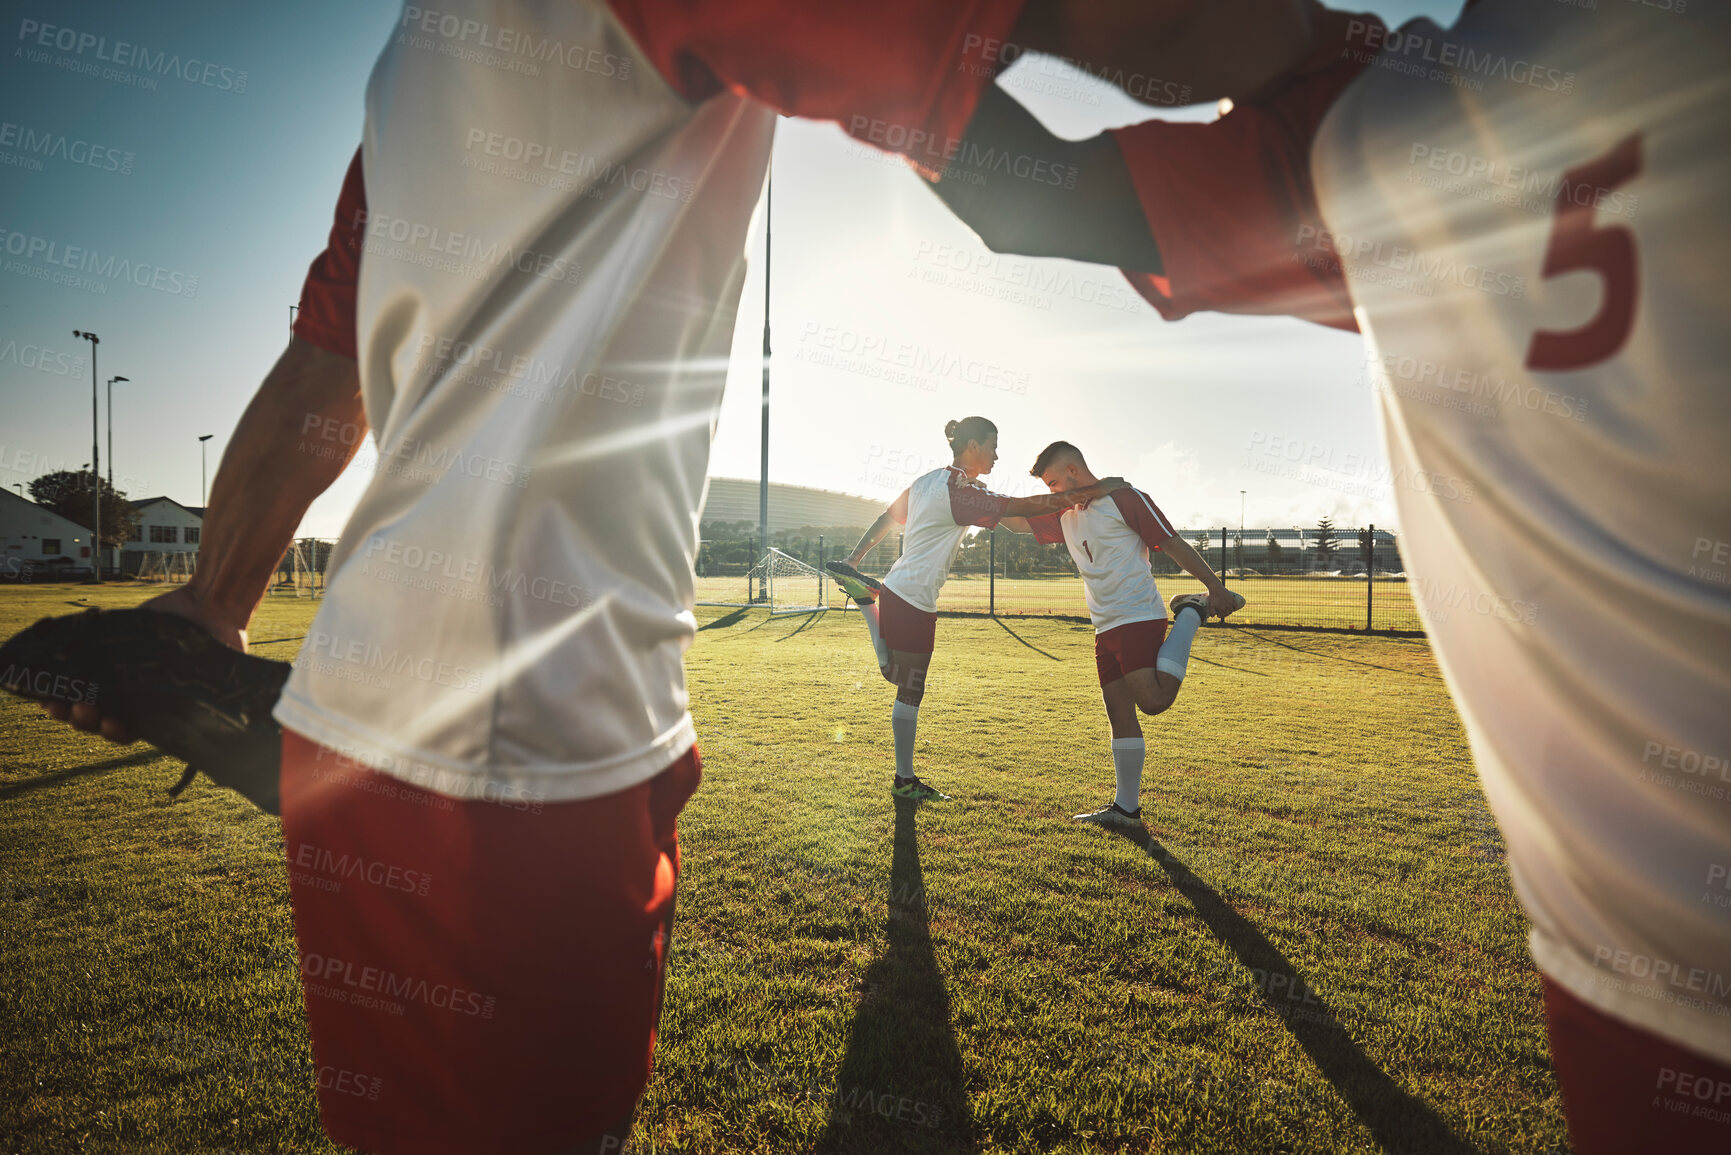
(1025, 641)
(1399, 1122)
(14, 789)
(900, 1086)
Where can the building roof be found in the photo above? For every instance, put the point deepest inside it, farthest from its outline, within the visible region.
(140, 502)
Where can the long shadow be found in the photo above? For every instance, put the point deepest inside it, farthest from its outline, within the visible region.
(804, 625)
(59, 776)
(725, 620)
(1399, 1122)
(1025, 641)
(900, 1087)
(1251, 633)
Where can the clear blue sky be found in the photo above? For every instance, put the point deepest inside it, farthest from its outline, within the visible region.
(231, 180)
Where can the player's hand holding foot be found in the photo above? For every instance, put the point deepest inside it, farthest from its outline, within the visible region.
(182, 602)
(1223, 601)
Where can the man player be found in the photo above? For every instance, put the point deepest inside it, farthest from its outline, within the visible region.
(901, 612)
(1524, 215)
(529, 298)
(1141, 666)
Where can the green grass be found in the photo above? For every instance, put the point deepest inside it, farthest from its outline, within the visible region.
(1329, 603)
(853, 975)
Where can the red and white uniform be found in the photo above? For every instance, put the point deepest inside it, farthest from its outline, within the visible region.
(1109, 541)
(551, 215)
(537, 261)
(942, 506)
(1525, 215)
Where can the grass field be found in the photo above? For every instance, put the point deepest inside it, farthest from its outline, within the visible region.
(1278, 601)
(1317, 949)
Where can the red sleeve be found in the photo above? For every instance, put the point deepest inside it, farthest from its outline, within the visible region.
(973, 505)
(1232, 204)
(903, 75)
(326, 316)
(1048, 527)
(1142, 515)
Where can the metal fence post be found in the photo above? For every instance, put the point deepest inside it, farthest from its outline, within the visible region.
(1369, 574)
(820, 572)
(992, 568)
(1223, 555)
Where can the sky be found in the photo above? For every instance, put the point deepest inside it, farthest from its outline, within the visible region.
(215, 186)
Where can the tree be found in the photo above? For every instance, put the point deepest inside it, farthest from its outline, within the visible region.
(69, 494)
(1367, 548)
(1202, 543)
(1326, 544)
(1238, 550)
(1274, 551)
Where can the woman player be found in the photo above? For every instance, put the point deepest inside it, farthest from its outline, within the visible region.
(901, 611)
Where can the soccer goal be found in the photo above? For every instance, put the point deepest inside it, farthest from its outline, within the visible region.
(166, 566)
(302, 571)
(787, 585)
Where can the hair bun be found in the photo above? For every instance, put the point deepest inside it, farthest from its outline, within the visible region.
(950, 428)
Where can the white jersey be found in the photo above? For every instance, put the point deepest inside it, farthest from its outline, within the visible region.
(942, 506)
(557, 199)
(1109, 540)
(1530, 211)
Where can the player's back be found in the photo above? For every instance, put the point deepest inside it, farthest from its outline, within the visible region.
(1529, 210)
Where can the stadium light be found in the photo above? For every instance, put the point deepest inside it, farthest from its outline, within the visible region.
(95, 464)
(111, 382)
(203, 485)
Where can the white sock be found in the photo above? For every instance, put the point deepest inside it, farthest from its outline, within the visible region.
(903, 720)
(1174, 656)
(1127, 757)
(869, 612)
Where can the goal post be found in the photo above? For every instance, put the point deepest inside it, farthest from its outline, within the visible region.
(790, 586)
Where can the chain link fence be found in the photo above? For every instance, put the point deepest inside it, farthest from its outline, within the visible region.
(1300, 578)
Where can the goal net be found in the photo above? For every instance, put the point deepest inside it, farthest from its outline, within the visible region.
(301, 572)
(166, 566)
(787, 585)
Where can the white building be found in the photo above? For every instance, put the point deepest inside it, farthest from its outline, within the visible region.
(34, 540)
(164, 526)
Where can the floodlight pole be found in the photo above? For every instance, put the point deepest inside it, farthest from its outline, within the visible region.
(763, 481)
(95, 465)
(203, 483)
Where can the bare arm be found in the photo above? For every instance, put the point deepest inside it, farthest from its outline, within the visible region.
(1182, 552)
(895, 514)
(1090, 212)
(295, 438)
(1016, 525)
(1206, 48)
(1039, 503)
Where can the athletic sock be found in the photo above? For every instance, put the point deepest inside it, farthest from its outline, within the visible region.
(1174, 656)
(869, 612)
(1127, 757)
(903, 720)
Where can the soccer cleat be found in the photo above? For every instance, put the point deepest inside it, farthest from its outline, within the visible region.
(1112, 814)
(1197, 602)
(168, 682)
(918, 791)
(856, 585)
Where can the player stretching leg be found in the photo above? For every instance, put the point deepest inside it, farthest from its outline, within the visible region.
(901, 612)
(1141, 666)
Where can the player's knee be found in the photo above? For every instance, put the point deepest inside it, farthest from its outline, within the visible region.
(1156, 701)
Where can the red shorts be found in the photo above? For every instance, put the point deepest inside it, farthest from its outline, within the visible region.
(479, 976)
(1627, 1091)
(1134, 646)
(906, 627)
